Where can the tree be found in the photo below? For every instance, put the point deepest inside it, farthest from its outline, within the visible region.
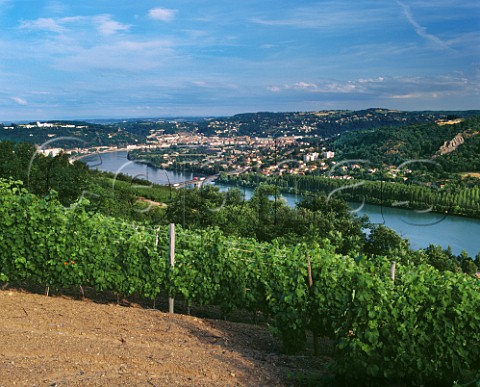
(194, 207)
(41, 174)
(466, 263)
(442, 259)
(384, 241)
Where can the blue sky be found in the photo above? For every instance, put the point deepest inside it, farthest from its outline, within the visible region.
(145, 58)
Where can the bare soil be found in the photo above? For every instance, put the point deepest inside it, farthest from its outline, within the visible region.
(58, 341)
(471, 174)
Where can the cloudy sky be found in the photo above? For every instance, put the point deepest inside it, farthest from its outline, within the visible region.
(146, 58)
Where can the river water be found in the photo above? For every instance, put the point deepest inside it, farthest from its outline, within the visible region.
(420, 229)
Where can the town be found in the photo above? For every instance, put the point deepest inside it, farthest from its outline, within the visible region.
(214, 154)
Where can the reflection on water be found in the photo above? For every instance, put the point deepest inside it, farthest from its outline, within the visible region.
(117, 162)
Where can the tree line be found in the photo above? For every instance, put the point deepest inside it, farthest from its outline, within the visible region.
(459, 198)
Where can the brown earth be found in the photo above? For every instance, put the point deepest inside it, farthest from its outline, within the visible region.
(151, 203)
(451, 146)
(58, 341)
(470, 174)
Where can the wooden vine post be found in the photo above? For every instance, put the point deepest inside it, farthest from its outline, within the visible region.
(309, 268)
(156, 249)
(310, 284)
(171, 301)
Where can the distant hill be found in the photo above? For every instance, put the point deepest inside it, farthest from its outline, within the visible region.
(455, 146)
(67, 134)
(321, 124)
(326, 123)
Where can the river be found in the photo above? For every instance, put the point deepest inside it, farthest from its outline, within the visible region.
(420, 229)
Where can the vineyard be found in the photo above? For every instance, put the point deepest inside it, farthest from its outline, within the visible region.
(421, 327)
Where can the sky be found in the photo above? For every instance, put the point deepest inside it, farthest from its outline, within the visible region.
(125, 59)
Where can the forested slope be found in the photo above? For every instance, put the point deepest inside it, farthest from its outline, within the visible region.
(393, 146)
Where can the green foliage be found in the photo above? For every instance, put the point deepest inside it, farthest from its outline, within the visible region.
(456, 196)
(384, 241)
(71, 134)
(419, 330)
(266, 216)
(196, 207)
(126, 198)
(41, 174)
(422, 328)
(324, 125)
(393, 146)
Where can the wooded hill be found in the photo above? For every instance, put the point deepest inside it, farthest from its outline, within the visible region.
(454, 148)
(330, 123)
(321, 124)
(68, 134)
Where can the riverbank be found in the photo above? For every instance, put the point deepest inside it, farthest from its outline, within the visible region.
(86, 153)
(227, 179)
(421, 229)
(418, 198)
(340, 190)
(199, 171)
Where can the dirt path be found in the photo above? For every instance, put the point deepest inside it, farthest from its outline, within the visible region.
(55, 341)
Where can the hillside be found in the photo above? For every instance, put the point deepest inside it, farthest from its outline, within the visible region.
(303, 289)
(455, 147)
(322, 123)
(67, 134)
(330, 123)
(57, 341)
(73, 134)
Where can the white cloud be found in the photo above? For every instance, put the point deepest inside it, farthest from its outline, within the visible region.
(275, 89)
(415, 95)
(41, 92)
(45, 24)
(326, 86)
(341, 87)
(72, 19)
(102, 23)
(163, 14)
(126, 55)
(398, 88)
(20, 101)
(55, 7)
(371, 80)
(107, 26)
(305, 85)
(329, 15)
(420, 30)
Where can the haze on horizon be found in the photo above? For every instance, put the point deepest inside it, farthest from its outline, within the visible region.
(95, 59)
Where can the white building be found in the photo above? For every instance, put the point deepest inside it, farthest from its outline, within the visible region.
(328, 155)
(44, 125)
(310, 157)
(50, 152)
